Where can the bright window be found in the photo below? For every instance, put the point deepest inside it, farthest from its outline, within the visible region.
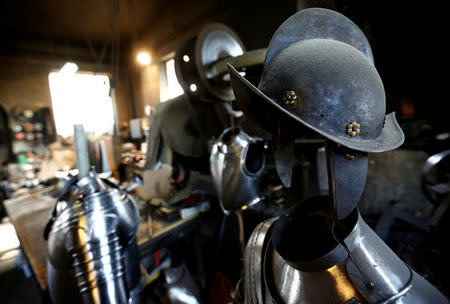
(169, 85)
(81, 98)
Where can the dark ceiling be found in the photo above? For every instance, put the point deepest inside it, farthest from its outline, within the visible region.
(75, 21)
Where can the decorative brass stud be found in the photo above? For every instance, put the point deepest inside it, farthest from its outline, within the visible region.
(350, 156)
(349, 153)
(353, 129)
(289, 97)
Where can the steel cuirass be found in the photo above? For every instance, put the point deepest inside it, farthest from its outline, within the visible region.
(363, 269)
(237, 161)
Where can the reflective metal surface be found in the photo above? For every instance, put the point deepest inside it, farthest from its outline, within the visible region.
(348, 90)
(324, 62)
(380, 275)
(92, 246)
(318, 23)
(246, 60)
(323, 105)
(237, 161)
(294, 286)
(254, 287)
(102, 167)
(216, 41)
(371, 273)
(202, 61)
(347, 173)
(319, 73)
(154, 138)
(181, 286)
(306, 236)
(284, 162)
(436, 177)
(81, 150)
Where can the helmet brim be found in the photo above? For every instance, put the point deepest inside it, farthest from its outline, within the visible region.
(253, 103)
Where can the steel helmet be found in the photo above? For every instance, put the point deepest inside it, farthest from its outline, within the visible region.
(319, 71)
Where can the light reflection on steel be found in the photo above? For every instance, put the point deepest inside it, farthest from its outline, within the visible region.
(92, 245)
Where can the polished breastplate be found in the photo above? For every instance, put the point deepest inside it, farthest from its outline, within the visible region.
(369, 272)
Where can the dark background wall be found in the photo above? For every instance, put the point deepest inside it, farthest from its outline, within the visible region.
(24, 83)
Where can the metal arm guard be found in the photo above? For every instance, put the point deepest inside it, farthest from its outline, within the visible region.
(92, 246)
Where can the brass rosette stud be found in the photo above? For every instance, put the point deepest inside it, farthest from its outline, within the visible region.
(353, 129)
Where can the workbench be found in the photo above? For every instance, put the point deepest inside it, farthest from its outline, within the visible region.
(29, 214)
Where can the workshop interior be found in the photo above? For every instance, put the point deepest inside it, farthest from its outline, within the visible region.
(193, 152)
